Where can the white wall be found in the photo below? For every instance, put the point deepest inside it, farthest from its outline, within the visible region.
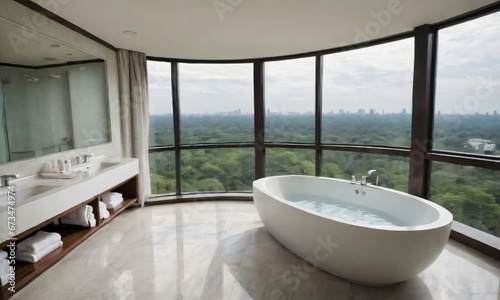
(18, 13)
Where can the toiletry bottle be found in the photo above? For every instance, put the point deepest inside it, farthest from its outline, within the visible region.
(55, 166)
(67, 166)
(61, 165)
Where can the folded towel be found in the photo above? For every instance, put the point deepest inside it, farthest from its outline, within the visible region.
(113, 201)
(113, 204)
(3, 254)
(4, 267)
(108, 197)
(87, 211)
(39, 241)
(104, 213)
(80, 216)
(33, 257)
(92, 221)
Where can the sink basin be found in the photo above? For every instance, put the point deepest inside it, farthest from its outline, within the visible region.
(91, 169)
(21, 195)
(105, 165)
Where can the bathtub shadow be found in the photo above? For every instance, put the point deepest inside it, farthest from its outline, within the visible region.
(262, 268)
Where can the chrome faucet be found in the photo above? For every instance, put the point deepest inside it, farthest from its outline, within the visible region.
(7, 178)
(86, 157)
(374, 173)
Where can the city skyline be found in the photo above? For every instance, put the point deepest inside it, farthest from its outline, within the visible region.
(379, 77)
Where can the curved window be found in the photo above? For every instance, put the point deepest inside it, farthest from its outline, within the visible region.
(471, 194)
(217, 170)
(216, 103)
(161, 124)
(289, 94)
(392, 171)
(162, 172)
(283, 161)
(467, 108)
(365, 123)
(367, 95)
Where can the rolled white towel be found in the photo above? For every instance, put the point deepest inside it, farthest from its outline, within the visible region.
(108, 197)
(39, 241)
(104, 214)
(3, 254)
(80, 214)
(33, 257)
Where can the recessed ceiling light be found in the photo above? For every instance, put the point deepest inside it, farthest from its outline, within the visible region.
(128, 32)
(69, 54)
(55, 45)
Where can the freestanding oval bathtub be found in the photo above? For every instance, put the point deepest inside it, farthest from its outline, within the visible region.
(366, 234)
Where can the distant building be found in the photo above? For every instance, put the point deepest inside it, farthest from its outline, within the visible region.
(372, 111)
(482, 146)
(495, 113)
(404, 111)
(361, 111)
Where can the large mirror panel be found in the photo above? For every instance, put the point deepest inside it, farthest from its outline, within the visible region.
(53, 97)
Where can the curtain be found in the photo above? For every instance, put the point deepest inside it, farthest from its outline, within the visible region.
(134, 114)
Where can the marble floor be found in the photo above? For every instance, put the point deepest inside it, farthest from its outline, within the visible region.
(220, 250)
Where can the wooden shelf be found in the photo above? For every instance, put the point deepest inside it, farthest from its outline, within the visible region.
(72, 235)
(118, 209)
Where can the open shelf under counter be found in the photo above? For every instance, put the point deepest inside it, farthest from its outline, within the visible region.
(71, 235)
(113, 212)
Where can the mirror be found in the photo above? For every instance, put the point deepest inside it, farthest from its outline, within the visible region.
(53, 97)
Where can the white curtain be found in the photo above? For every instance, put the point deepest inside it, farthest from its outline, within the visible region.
(134, 113)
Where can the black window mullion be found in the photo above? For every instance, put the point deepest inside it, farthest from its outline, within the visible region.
(318, 112)
(258, 94)
(177, 134)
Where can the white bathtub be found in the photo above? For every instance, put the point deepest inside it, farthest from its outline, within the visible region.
(371, 254)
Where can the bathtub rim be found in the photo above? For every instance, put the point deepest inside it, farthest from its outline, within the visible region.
(444, 218)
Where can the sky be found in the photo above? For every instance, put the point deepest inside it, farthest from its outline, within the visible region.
(379, 78)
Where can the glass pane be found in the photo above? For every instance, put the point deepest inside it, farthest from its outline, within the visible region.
(280, 161)
(289, 100)
(162, 172)
(216, 103)
(392, 171)
(220, 170)
(468, 87)
(471, 194)
(367, 95)
(161, 124)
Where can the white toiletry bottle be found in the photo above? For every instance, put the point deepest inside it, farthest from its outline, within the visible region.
(55, 166)
(67, 166)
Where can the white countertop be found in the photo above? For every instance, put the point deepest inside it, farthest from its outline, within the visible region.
(59, 195)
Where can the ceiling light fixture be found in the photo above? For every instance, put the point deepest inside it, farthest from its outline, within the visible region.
(128, 32)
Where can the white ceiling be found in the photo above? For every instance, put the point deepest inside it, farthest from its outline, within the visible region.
(194, 29)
